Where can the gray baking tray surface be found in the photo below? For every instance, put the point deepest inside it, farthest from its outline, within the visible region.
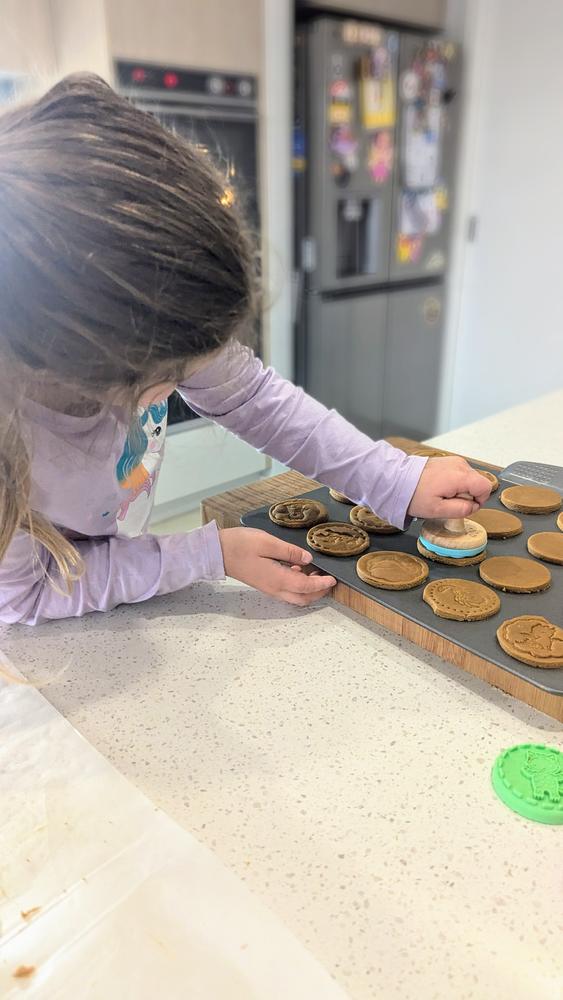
(477, 637)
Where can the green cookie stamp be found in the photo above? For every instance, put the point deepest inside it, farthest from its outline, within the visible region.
(529, 779)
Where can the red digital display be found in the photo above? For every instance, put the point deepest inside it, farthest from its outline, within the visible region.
(138, 75)
(170, 80)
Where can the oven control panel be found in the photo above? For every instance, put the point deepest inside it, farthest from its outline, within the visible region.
(172, 80)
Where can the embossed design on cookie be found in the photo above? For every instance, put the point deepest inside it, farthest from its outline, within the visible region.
(532, 639)
(338, 539)
(461, 600)
(298, 513)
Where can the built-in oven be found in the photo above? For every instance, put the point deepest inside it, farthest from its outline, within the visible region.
(219, 113)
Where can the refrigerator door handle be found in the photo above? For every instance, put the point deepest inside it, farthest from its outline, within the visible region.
(309, 254)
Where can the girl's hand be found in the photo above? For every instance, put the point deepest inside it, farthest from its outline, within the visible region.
(254, 557)
(443, 479)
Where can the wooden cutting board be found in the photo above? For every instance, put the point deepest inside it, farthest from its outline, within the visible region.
(227, 509)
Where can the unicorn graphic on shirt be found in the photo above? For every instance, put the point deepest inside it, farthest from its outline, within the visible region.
(138, 465)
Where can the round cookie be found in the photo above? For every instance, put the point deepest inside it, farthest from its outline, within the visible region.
(531, 499)
(461, 600)
(447, 561)
(391, 570)
(498, 523)
(547, 545)
(364, 518)
(341, 497)
(338, 539)
(515, 574)
(492, 479)
(560, 521)
(532, 639)
(298, 513)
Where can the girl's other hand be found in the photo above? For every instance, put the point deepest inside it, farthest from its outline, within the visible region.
(439, 487)
(272, 566)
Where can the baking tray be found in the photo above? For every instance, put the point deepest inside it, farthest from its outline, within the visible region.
(477, 637)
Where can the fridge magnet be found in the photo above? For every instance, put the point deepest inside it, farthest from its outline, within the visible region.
(449, 51)
(344, 146)
(358, 33)
(341, 97)
(380, 156)
(298, 159)
(377, 89)
(408, 248)
(436, 261)
(441, 198)
(418, 214)
(431, 310)
(409, 86)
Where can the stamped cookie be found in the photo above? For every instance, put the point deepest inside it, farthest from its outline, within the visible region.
(498, 523)
(532, 639)
(447, 561)
(560, 521)
(391, 570)
(461, 600)
(547, 545)
(298, 513)
(338, 539)
(531, 499)
(364, 518)
(515, 574)
(341, 497)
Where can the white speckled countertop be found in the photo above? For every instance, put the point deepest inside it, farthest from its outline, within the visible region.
(341, 772)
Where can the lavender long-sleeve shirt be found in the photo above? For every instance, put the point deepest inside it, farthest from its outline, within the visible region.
(94, 478)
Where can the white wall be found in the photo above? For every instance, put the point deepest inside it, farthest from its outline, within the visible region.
(507, 327)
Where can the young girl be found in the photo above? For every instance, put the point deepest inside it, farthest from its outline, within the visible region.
(124, 275)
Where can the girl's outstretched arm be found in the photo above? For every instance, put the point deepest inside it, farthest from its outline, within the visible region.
(281, 420)
(116, 571)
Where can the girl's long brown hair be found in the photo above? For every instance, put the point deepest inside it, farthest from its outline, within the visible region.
(120, 261)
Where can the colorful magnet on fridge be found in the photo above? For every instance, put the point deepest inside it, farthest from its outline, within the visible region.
(409, 86)
(448, 50)
(441, 198)
(408, 248)
(380, 156)
(345, 146)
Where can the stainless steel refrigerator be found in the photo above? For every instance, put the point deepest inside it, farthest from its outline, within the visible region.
(373, 159)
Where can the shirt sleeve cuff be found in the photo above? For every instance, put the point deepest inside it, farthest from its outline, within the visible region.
(407, 480)
(195, 555)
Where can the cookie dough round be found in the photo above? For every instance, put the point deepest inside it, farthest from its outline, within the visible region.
(461, 600)
(560, 521)
(341, 497)
(299, 512)
(364, 518)
(492, 479)
(515, 574)
(531, 499)
(391, 570)
(532, 639)
(338, 539)
(446, 561)
(547, 545)
(498, 523)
